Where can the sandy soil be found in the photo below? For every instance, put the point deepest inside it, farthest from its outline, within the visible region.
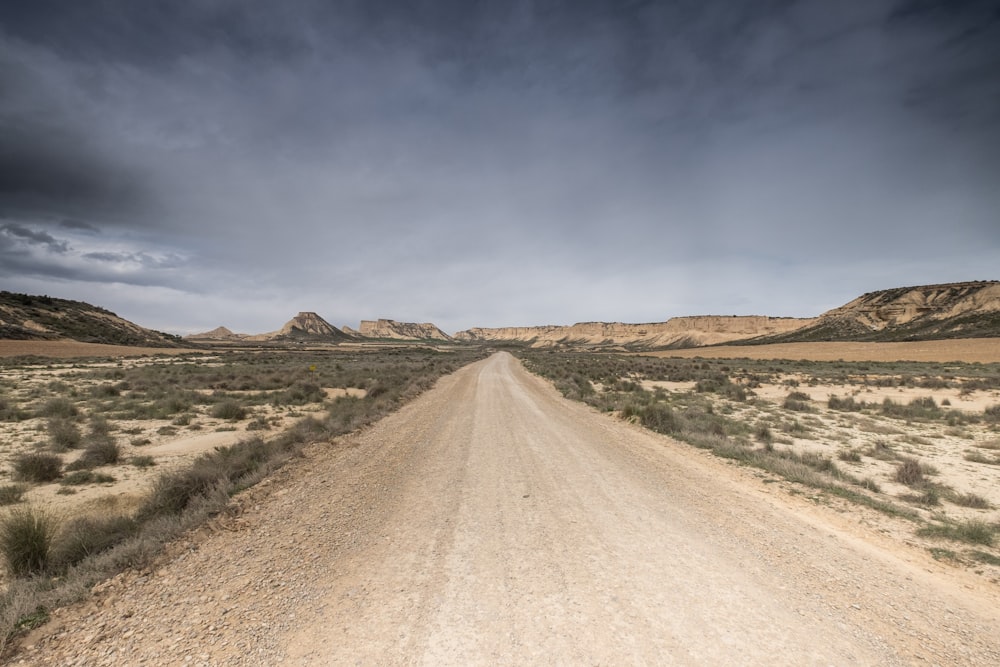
(493, 522)
(68, 349)
(172, 446)
(983, 350)
(945, 449)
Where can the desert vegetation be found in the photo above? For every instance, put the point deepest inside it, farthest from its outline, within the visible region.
(914, 443)
(96, 480)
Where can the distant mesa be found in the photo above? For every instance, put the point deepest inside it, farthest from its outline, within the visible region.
(308, 326)
(677, 332)
(953, 310)
(393, 330)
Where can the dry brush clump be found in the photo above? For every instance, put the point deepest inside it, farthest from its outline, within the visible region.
(26, 537)
(37, 467)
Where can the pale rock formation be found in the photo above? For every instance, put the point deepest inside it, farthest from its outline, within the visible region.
(675, 332)
(394, 330)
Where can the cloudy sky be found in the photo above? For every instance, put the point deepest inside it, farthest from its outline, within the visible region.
(222, 162)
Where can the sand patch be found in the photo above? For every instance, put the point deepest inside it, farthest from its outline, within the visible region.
(983, 350)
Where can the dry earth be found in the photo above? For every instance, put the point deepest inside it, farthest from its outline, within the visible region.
(493, 522)
(983, 350)
(69, 349)
(170, 445)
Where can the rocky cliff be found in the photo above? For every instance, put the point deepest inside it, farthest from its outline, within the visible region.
(394, 330)
(674, 333)
(952, 310)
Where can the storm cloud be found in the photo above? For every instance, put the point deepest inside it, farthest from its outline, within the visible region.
(190, 165)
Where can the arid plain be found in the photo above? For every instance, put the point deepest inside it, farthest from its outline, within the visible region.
(959, 458)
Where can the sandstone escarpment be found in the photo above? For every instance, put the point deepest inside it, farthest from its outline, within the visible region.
(676, 332)
(391, 329)
(952, 310)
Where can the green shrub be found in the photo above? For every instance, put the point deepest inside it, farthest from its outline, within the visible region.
(656, 417)
(58, 407)
(972, 500)
(300, 393)
(909, 472)
(86, 536)
(796, 405)
(229, 409)
(171, 405)
(992, 413)
(100, 452)
(37, 467)
(882, 451)
(63, 434)
(979, 457)
(173, 492)
(80, 477)
(929, 496)
(847, 404)
(11, 413)
(26, 537)
(99, 427)
(11, 494)
(918, 408)
(142, 461)
(851, 455)
(973, 532)
(105, 390)
(259, 423)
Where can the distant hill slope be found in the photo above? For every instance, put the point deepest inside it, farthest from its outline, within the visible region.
(216, 334)
(928, 312)
(391, 329)
(677, 332)
(27, 317)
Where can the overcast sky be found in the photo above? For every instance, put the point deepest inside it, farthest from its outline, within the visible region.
(196, 164)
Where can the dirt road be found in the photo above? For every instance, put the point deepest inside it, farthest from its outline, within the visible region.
(493, 522)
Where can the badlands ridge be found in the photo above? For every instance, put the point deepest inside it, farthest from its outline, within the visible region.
(929, 312)
(953, 310)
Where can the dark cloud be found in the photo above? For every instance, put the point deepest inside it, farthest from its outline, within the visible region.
(79, 225)
(33, 237)
(497, 162)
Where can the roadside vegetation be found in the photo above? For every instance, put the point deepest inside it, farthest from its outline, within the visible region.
(54, 558)
(816, 430)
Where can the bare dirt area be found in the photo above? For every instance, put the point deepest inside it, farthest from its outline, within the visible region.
(71, 349)
(971, 350)
(491, 521)
(61, 409)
